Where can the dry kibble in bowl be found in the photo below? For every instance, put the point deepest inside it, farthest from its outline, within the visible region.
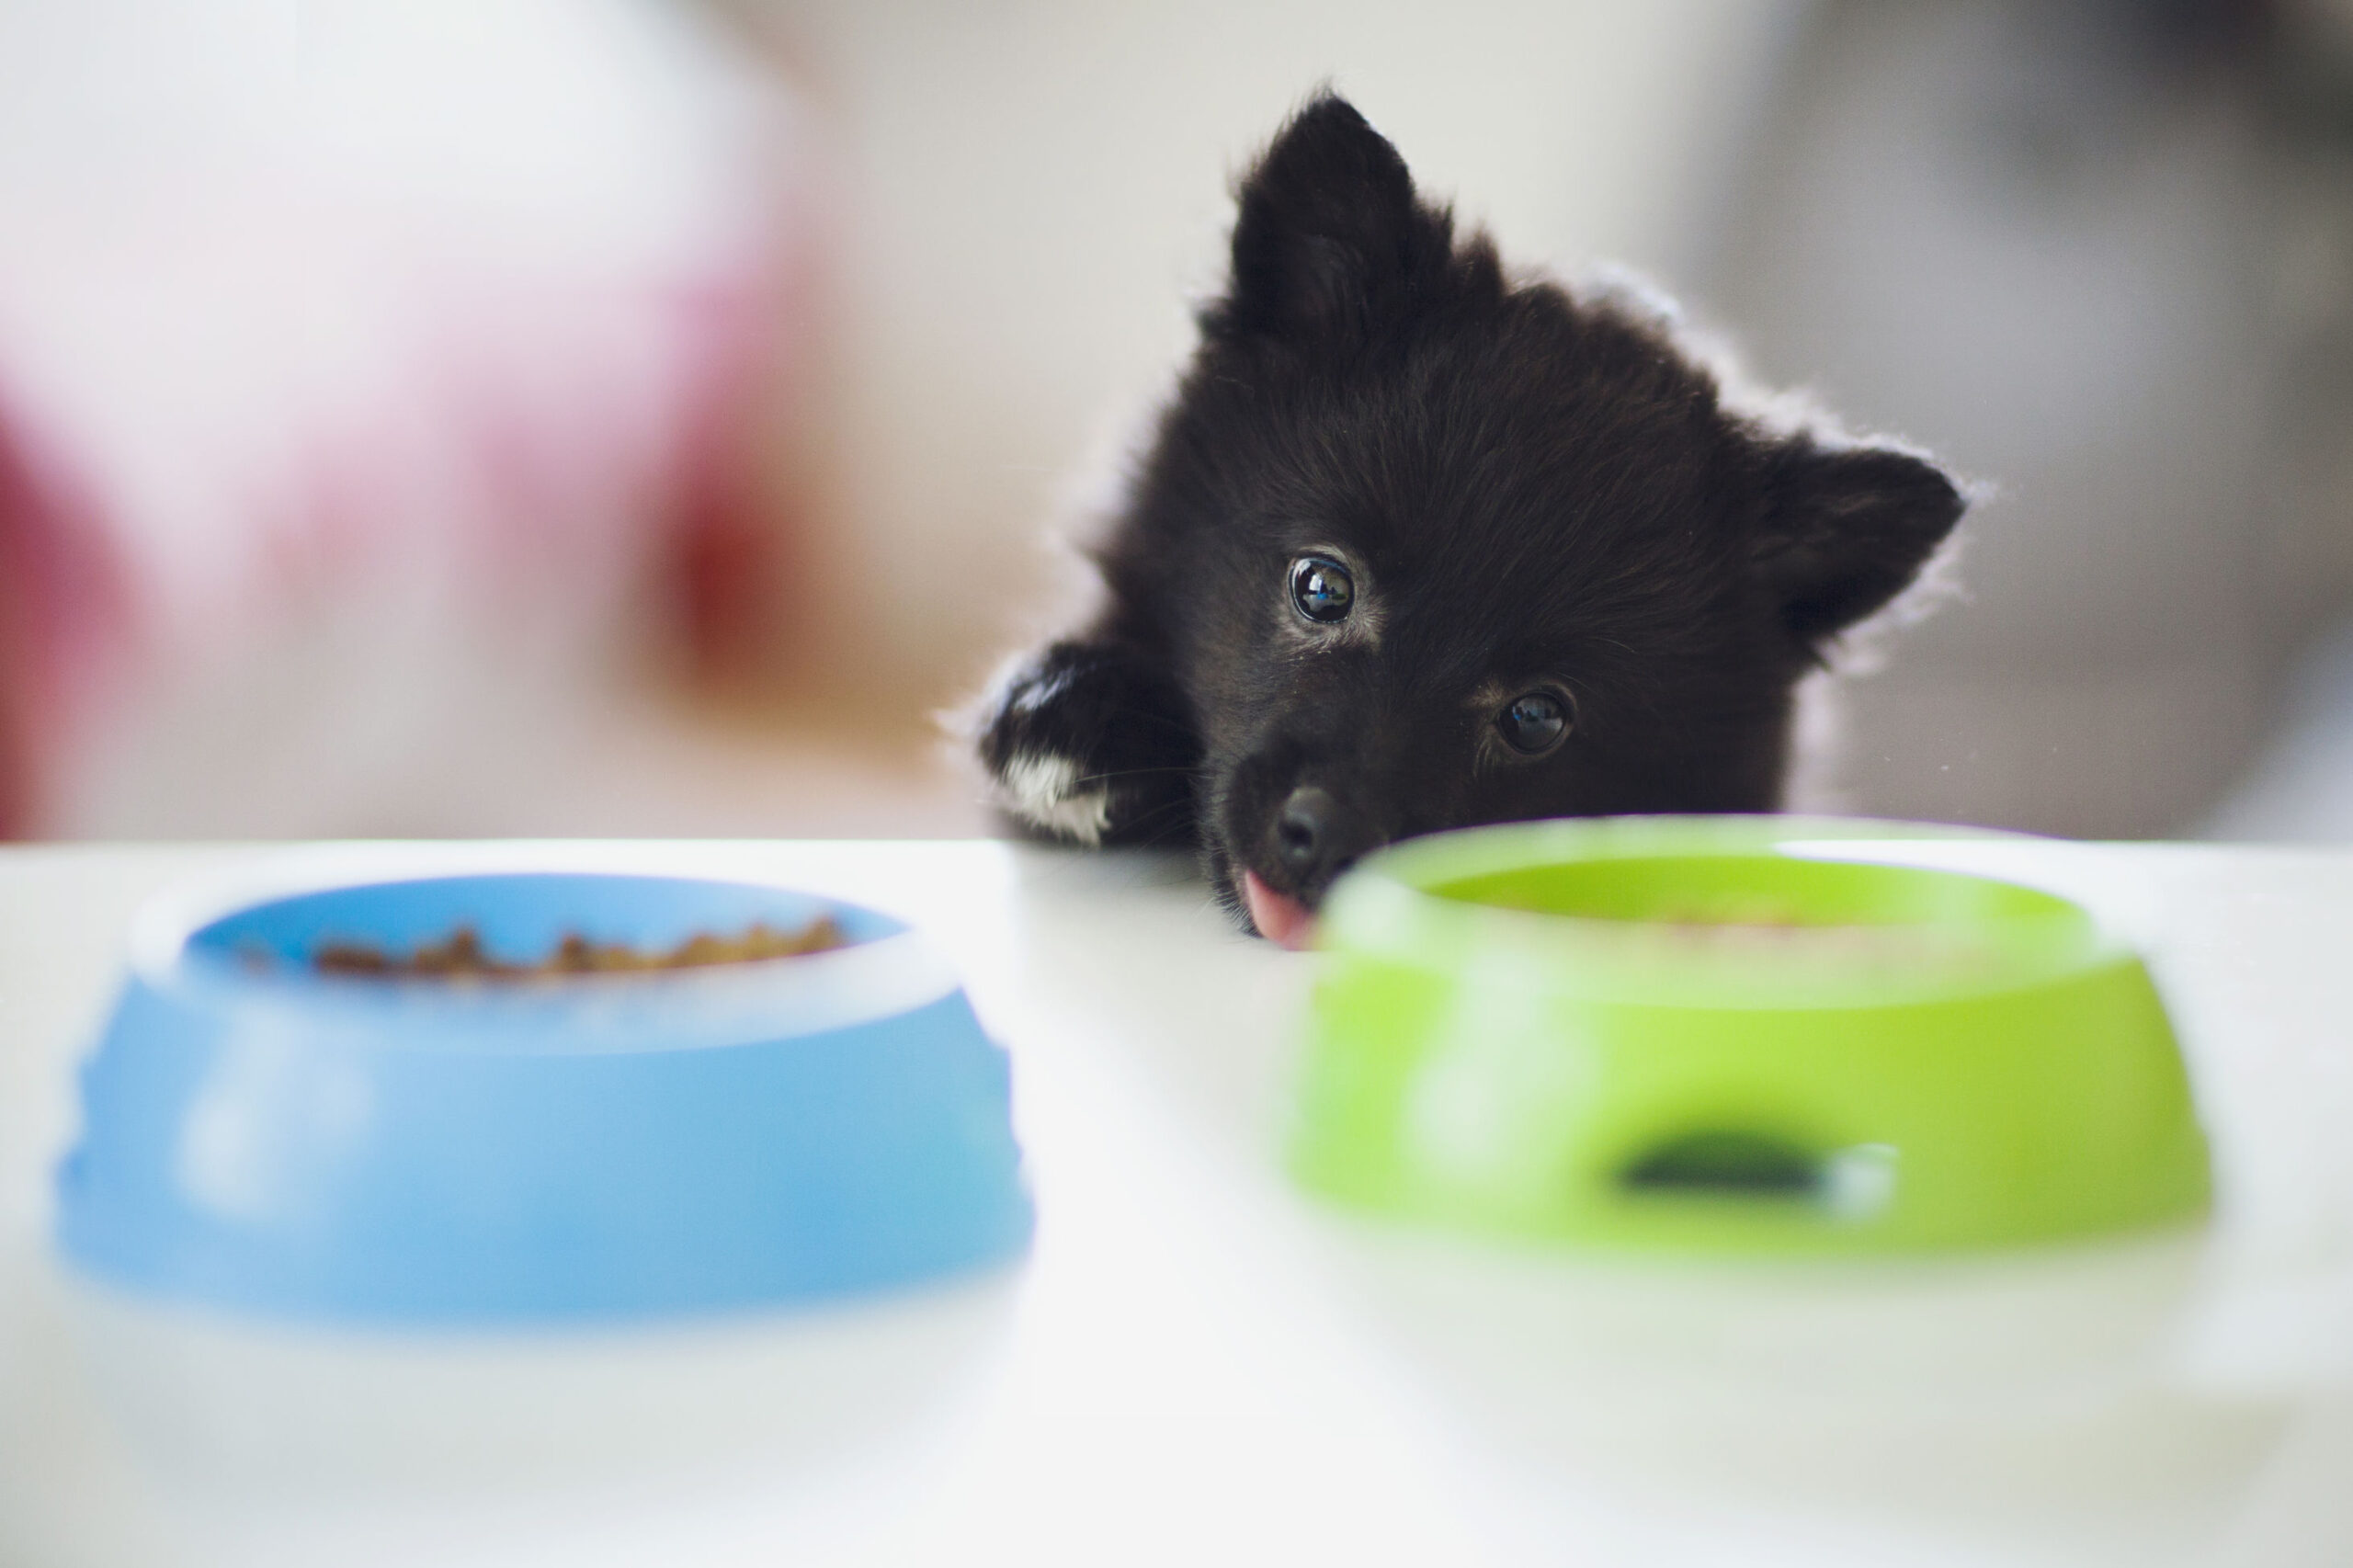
(462, 955)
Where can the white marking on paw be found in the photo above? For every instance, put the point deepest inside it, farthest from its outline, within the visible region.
(1040, 787)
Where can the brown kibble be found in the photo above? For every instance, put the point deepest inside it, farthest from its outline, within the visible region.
(350, 958)
(461, 957)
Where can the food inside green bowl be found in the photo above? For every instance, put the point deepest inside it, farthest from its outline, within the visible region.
(1767, 929)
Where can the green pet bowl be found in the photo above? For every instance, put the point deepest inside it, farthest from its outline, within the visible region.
(1734, 1035)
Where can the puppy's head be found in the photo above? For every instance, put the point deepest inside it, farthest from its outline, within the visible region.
(1438, 549)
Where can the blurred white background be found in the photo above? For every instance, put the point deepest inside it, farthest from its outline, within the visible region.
(2101, 257)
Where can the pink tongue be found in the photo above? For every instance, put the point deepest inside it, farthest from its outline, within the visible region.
(1280, 917)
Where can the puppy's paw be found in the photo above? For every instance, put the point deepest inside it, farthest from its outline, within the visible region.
(1053, 793)
(1084, 745)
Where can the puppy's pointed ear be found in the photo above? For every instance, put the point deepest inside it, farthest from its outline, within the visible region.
(1846, 528)
(1330, 240)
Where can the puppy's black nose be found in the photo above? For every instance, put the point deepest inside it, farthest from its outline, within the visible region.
(1317, 836)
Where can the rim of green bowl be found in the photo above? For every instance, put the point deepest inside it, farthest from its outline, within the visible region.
(1711, 912)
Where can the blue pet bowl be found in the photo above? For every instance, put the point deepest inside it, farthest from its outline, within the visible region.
(263, 1137)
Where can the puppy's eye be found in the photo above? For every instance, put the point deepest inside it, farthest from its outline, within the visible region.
(1321, 590)
(1534, 722)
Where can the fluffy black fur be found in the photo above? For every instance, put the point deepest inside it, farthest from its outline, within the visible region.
(1535, 492)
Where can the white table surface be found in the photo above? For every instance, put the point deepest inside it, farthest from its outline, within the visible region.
(1197, 1365)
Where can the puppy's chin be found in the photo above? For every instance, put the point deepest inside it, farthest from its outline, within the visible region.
(1280, 917)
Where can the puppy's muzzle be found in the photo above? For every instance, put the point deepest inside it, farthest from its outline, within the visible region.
(1318, 836)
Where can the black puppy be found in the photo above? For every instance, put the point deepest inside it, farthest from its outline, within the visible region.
(1416, 547)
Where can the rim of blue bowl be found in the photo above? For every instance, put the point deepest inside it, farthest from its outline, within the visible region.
(891, 969)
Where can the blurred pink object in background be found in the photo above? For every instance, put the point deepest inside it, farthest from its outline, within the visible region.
(418, 342)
